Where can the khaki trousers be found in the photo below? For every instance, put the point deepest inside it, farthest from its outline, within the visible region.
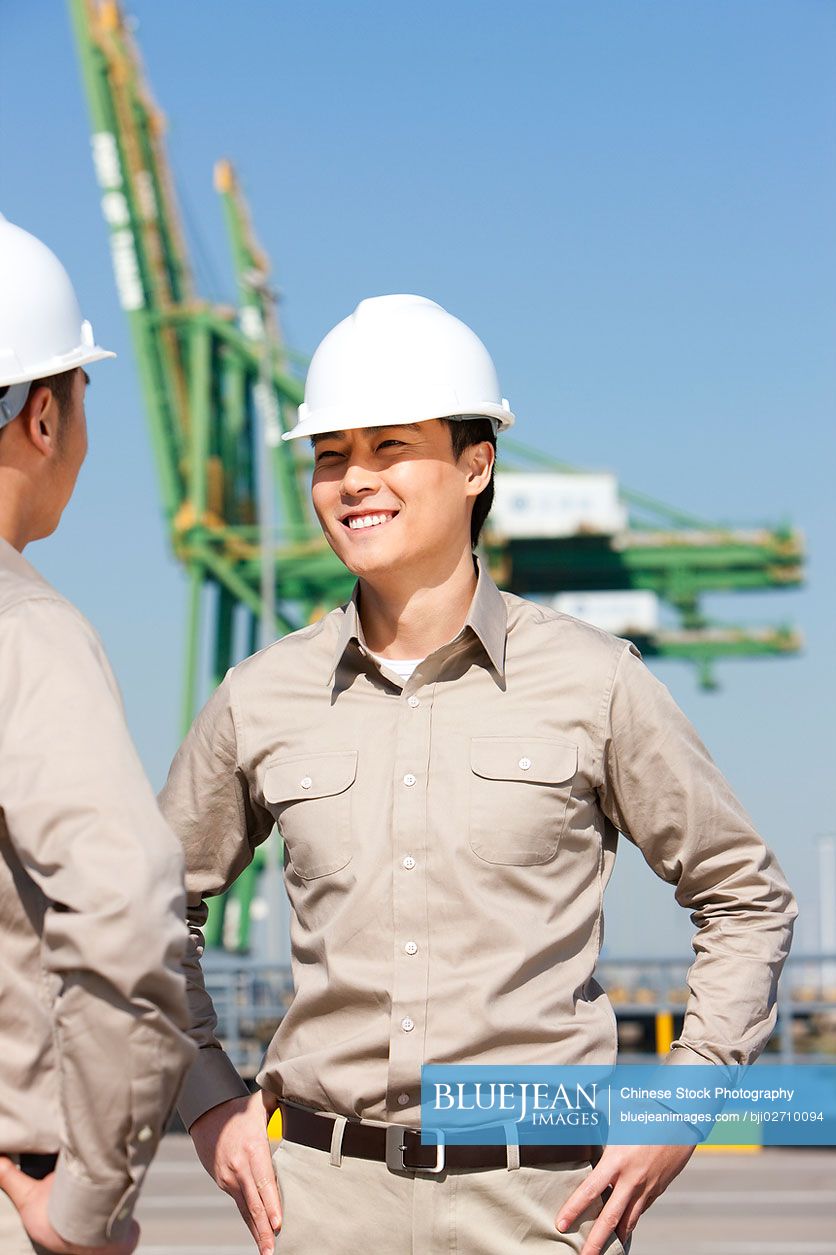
(13, 1238)
(333, 1205)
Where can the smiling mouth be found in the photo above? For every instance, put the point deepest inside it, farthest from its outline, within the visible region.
(361, 522)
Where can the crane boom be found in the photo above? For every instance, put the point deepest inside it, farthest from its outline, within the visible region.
(220, 386)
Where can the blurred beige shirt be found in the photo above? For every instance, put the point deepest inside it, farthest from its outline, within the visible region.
(447, 846)
(92, 995)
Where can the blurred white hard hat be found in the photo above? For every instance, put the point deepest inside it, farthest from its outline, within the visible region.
(42, 331)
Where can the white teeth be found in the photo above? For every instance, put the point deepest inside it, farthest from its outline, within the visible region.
(367, 520)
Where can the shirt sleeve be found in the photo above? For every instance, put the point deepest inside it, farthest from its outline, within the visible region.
(82, 820)
(206, 800)
(664, 792)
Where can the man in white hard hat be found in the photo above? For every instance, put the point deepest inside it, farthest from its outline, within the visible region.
(449, 767)
(92, 996)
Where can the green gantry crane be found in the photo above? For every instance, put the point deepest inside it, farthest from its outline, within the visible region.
(220, 387)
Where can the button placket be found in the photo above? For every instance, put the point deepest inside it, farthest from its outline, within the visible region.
(409, 991)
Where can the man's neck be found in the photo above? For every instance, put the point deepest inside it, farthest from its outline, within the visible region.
(404, 620)
(14, 517)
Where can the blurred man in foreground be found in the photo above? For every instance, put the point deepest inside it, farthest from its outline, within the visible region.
(92, 999)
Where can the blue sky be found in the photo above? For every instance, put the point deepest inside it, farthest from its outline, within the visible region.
(633, 205)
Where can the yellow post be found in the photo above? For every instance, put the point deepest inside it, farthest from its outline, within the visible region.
(664, 1032)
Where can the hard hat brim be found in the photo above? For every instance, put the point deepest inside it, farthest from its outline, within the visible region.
(57, 365)
(335, 420)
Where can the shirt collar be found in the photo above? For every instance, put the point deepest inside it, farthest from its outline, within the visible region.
(487, 618)
(351, 629)
(11, 560)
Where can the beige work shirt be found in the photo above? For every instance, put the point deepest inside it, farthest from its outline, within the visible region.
(448, 842)
(92, 995)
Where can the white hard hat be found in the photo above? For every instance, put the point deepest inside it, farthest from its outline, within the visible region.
(399, 359)
(41, 328)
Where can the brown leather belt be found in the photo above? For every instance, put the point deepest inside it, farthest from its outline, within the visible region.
(401, 1150)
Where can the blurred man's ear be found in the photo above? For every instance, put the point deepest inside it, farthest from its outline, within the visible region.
(41, 420)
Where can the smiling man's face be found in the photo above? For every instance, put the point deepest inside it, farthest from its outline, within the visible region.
(390, 496)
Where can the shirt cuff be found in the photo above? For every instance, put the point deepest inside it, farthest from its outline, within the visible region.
(723, 1074)
(684, 1054)
(209, 1081)
(86, 1213)
(680, 1054)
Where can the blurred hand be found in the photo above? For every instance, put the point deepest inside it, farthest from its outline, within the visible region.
(638, 1175)
(232, 1144)
(31, 1198)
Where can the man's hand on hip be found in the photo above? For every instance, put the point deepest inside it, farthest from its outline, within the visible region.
(638, 1175)
(232, 1144)
(31, 1198)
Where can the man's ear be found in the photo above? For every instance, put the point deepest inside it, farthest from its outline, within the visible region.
(40, 419)
(479, 464)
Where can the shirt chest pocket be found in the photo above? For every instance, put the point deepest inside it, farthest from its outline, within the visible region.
(310, 797)
(519, 793)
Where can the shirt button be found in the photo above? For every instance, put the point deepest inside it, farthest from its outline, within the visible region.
(306, 782)
(145, 1134)
(413, 701)
(525, 763)
(409, 779)
(407, 1024)
(411, 947)
(409, 862)
(403, 1099)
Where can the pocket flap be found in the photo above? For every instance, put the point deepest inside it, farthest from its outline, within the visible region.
(309, 776)
(534, 759)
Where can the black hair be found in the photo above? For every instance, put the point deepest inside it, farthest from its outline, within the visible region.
(465, 432)
(61, 387)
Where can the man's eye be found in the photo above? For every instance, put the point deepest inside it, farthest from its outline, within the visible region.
(384, 443)
(326, 453)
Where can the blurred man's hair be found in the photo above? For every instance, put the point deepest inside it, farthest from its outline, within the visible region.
(61, 387)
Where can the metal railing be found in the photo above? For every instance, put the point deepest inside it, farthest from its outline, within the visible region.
(251, 999)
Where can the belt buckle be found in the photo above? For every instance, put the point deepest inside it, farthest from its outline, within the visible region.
(395, 1148)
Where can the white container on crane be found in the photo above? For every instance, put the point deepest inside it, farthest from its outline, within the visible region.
(528, 506)
(627, 612)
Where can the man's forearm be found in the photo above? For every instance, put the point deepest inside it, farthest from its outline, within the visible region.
(212, 1078)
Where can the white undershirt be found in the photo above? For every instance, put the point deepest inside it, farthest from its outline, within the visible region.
(402, 667)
